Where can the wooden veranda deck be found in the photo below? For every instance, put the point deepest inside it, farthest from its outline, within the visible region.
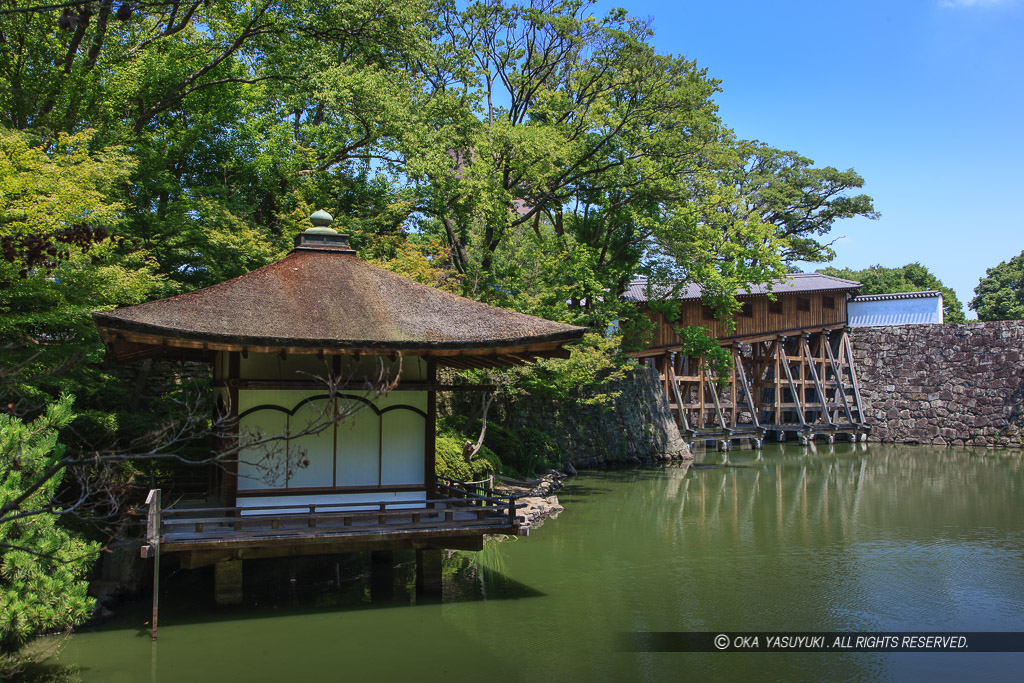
(456, 516)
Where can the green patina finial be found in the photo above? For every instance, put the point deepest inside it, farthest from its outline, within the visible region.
(321, 221)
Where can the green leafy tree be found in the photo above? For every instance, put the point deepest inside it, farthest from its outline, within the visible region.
(1000, 294)
(61, 259)
(42, 566)
(802, 202)
(912, 277)
(590, 157)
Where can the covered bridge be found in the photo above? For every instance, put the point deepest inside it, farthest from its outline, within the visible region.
(792, 364)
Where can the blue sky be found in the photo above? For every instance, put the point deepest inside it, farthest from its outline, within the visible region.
(923, 98)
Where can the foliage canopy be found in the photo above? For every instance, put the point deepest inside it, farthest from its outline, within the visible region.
(912, 277)
(1000, 294)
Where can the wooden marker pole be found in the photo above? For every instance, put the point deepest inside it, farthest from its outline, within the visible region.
(153, 539)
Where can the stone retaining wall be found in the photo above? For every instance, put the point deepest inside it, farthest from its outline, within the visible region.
(635, 427)
(943, 384)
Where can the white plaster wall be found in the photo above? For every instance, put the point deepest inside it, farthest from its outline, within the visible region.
(895, 312)
(312, 455)
(358, 438)
(369, 447)
(263, 466)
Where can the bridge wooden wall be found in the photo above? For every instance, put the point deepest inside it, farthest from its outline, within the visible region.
(790, 312)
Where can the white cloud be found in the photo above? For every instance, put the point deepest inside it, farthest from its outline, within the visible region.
(973, 3)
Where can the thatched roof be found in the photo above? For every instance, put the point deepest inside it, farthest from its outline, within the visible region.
(322, 298)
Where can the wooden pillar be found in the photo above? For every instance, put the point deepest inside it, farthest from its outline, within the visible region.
(382, 576)
(838, 375)
(792, 385)
(229, 491)
(430, 450)
(778, 384)
(153, 532)
(853, 378)
(732, 384)
(744, 384)
(700, 393)
(662, 365)
(429, 565)
(227, 582)
(819, 390)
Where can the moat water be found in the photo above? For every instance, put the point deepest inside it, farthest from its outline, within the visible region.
(846, 538)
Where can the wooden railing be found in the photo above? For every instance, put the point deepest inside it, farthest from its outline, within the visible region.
(456, 506)
(476, 492)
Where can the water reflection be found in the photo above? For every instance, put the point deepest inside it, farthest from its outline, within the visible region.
(842, 537)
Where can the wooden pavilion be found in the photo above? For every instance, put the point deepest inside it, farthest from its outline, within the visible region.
(325, 379)
(793, 370)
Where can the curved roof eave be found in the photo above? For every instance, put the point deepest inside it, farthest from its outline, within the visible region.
(320, 300)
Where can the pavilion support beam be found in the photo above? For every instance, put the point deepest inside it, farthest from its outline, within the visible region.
(430, 437)
(229, 492)
(227, 582)
(382, 576)
(429, 565)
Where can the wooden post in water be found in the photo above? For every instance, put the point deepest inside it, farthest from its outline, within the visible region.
(382, 576)
(153, 539)
(429, 567)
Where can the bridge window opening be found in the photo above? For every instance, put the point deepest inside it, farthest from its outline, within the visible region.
(803, 304)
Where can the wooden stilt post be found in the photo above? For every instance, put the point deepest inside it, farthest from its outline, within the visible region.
(742, 378)
(817, 384)
(683, 422)
(778, 386)
(700, 394)
(840, 387)
(792, 385)
(714, 396)
(153, 539)
(853, 376)
(429, 568)
(732, 385)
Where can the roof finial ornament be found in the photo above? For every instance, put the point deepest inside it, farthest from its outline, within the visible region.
(321, 221)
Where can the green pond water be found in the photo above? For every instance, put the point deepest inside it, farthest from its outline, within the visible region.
(846, 538)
